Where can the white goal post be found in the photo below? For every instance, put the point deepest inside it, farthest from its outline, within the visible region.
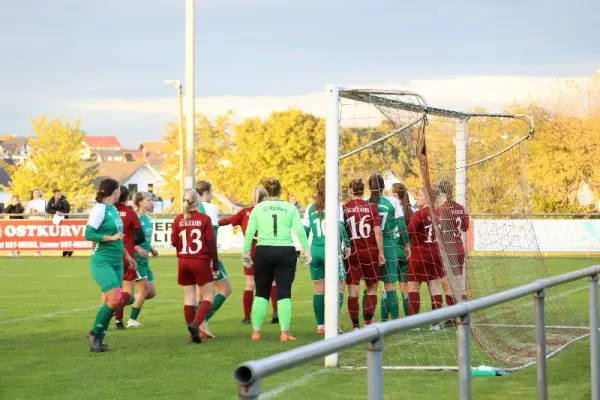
(391, 126)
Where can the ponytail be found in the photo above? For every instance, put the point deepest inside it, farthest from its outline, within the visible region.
(376, 186)
(402, 192)
(320, 198)
(191, 201)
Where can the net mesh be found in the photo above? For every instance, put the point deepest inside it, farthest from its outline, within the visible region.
(396, 135)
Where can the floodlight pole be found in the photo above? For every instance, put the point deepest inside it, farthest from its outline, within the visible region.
(177, 85)
(190, 132)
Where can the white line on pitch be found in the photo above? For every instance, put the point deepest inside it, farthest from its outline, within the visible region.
(295, 383)
(71, 311)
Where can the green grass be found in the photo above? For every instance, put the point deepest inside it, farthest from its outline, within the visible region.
(48, 304)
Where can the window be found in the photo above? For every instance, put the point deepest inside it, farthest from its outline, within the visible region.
(151, 188)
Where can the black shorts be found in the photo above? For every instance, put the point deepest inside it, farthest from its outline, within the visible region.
(275, 263)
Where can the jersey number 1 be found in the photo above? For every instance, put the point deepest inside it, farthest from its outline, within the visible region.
(274, 224)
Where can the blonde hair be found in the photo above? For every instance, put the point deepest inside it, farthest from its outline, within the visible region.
(259, 194)
(138, 198)
(191, 201)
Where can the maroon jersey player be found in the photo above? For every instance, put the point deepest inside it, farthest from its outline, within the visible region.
(133, 236)
(363, 225)
(424, 264)
(194, 238)
(453, 222)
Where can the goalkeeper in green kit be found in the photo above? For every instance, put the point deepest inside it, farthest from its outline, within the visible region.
(272, 222)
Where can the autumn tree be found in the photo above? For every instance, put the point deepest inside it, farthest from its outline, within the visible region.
(212, 142)
(55, 163)
(288, 145)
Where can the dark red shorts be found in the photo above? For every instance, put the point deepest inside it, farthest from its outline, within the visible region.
(194, 271)
(363, 263)
(250, 271)
(129, 274)
(424, 266)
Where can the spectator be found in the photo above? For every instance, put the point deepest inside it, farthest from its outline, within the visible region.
(15, 207)
(294, 201)
(36, 205)
(58, 205)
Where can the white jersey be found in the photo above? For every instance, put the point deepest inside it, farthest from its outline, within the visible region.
(211, 210)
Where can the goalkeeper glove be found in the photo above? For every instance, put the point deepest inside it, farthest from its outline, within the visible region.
(246, 260)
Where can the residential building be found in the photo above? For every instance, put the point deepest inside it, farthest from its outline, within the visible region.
(91, 144)
(15, 148)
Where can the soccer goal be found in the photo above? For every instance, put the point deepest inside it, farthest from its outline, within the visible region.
(477, 160)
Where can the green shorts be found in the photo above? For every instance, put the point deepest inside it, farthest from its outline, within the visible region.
(317, 264)
(389, 271)
(107, 276)
(150, 275)
(403, 271)
(143, 270)
(222, 273)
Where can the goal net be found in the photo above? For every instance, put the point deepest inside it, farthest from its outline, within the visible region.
(444, 158)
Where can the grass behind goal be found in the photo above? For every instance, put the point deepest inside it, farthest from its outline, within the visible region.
(47, 305)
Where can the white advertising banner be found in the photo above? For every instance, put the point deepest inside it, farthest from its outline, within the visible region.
(553, 235)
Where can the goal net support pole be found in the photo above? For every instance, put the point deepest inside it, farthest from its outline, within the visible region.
(332, 227)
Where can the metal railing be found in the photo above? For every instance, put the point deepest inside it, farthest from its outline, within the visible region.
(249, 374)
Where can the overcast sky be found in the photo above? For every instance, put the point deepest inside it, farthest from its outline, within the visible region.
(105, 61)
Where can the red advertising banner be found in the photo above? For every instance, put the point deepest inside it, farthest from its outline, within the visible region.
(40, 234)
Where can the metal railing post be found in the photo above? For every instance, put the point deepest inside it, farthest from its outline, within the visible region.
(375, 369)
(250, 391)
(594, 326)
(540, 340)
(464, 356)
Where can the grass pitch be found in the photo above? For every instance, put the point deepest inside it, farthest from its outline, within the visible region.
(48, 304)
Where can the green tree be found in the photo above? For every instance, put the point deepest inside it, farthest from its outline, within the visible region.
(55, 163)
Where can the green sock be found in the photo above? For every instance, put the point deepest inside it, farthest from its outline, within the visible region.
(383, 307)
(135, 312)
(284, 310)
(131, 300)
(219, 300)
(405, 303)
(341, 301)
(318, 307)
(102, 321)
(391, 302)
(259, 310)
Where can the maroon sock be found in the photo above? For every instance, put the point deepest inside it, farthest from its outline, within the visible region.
(189, 312)
(248, 298)
(274, 298)
(436, 302)
(414, 303)
(450, 301)
(353, 309)
(370, 307)
(203, 310)
(123, 301)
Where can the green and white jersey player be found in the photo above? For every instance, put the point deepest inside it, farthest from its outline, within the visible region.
(314, 222)
(390, 211)
(144, 282)
(204, 190)
(105, 228)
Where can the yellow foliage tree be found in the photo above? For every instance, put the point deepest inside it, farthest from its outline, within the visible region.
(212, 142)
(288, 145)
(55, 163)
